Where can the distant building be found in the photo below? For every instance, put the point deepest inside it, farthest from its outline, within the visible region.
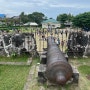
(2, 23)
(2, 16)
(31, 24)
(15, 17)
(68, 24)
(50, 23)
(17, 21)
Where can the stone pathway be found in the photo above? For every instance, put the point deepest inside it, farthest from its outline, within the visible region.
(29, 84)
(17, 63)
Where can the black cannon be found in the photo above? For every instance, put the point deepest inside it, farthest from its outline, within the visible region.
(58, 69)
(54, 66)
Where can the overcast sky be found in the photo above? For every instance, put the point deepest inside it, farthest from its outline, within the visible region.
(51, 8)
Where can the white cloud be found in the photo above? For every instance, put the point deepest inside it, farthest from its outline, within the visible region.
(69, 5)
(61, 5)
(15, 7)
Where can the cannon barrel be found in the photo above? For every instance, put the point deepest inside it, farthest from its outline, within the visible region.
(58, 70)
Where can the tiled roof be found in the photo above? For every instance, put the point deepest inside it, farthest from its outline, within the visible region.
(50, 21)
(2, 15)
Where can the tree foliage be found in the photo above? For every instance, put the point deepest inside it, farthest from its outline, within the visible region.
(82, 21)
(23, 17)
(34, 17)
(64, 17)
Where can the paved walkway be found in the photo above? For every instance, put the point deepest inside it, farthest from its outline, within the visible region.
(17, 63)
(30, 80)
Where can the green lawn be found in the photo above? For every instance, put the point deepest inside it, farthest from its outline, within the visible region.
(84, 69)
(84, 60)
(80, 61)
(83, 65)
(22, 58)
(13, 77)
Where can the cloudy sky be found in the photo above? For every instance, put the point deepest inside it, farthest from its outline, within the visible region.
(51, 8)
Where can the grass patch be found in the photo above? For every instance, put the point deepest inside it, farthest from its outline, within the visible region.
(36, 60)
(67, 86)
(84, 69)
(22, 58)
(13, 77)
(80, 61)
